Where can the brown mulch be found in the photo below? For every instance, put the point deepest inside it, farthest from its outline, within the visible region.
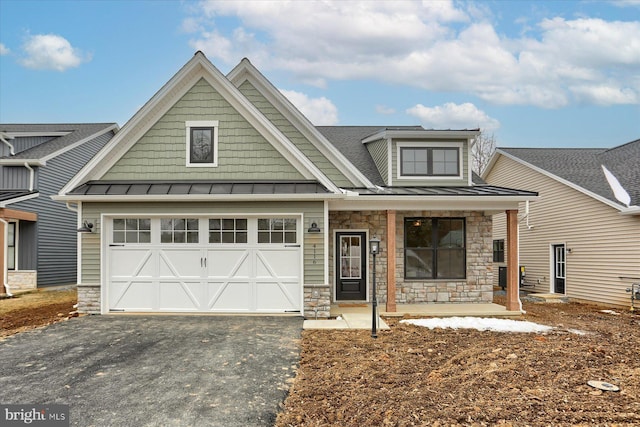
(413, 376)
(32, 310)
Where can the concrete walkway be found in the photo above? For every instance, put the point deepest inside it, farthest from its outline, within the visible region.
(358, 316)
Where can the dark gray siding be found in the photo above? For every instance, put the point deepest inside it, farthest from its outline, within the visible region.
(15, 177)
(56, 227)
(27, 253)
(24, 143)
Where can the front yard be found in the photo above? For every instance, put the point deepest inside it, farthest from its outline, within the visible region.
(413, 376)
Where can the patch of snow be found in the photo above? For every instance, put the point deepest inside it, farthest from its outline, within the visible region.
(577, 331)
(480, 323)
(615, 313)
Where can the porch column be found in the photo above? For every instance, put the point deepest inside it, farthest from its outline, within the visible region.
(513, 287)
(391, 261)
(3, 272)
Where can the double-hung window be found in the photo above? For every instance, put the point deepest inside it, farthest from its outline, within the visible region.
(11, 246)
(498, 250)
(434, 248)
(429, 161)
(202, 143)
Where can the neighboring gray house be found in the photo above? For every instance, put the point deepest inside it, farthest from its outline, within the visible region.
(582, 238)
(37, 234)
(220, 196)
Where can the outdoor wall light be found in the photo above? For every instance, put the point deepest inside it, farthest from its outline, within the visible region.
(87, 227)
(314, 228)
(374, 246)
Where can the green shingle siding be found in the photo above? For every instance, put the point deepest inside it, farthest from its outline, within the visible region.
(313, 271)
(378, 151)
(242, 152)
(302, 143)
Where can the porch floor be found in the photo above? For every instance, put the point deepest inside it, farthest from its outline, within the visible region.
(430, 310)
(358, 316)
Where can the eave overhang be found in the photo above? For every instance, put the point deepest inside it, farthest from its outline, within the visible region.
(422, 134)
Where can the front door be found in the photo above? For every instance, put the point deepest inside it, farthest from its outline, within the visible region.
(559, 268)
(351, 266)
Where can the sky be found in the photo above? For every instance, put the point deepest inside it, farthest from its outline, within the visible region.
(530, 73)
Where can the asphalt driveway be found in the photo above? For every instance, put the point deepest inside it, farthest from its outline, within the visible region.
(155, 370)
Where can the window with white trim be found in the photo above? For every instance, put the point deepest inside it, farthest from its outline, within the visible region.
(132, 230)
(277, 230)
(429, 161)
(202, 143)
(179, 230)
(227, 230)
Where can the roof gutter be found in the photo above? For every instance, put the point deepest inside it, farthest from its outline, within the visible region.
(194, 197)
(3, 138)
(32, 175)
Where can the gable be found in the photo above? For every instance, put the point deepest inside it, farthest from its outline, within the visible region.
(293, 134)
(243, 153)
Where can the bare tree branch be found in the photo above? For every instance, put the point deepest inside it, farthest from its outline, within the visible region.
(482, 150)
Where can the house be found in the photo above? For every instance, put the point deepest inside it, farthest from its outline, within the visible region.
(582, 238)
(220, 196)
(37, 234)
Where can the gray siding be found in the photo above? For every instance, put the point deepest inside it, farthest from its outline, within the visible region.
(27, 253)
(605, 245)
(56, 227)
(16, 177)
(313, 267)
(23, 143)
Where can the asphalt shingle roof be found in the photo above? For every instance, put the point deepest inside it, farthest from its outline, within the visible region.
(583, 166)
(77, 132)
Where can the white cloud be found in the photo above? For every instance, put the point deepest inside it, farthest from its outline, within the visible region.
(438, 46)
(454, 116)
(51, 52)
(320, 111)
(4, 50)
(384, 110)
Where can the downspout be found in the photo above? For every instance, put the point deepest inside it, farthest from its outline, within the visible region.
(12, 150)
(32, 175)
(5, 268)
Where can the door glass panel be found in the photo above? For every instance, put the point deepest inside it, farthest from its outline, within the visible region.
(350, 257)
(131, 230)
(277, 230)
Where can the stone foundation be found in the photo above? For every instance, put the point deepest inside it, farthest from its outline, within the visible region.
(317, 301)
(89, 298)
(22, 280)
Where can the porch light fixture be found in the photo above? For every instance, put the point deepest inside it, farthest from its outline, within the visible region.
(87, 227)
(314, 228)
(374, 249)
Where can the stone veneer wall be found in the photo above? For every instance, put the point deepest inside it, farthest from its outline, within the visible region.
(476, 288)
(317, 301)
(22, 280)
(89, 298)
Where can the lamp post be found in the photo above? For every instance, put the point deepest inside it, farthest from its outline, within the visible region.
(374, 248)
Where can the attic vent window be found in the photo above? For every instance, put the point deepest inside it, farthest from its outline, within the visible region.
(202, 143)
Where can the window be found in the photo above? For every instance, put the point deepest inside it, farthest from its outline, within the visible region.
(11, 246)
(350, 257)
(202, 143)
(498, 250)
(179, 230)
(277, 230)
(429, 161)
(227, 230)
(131, 230)
(434, 248)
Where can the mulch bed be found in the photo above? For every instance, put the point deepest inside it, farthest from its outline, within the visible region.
(413, 376)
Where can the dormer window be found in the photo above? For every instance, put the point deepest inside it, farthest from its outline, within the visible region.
(202, 143)
(420, 160)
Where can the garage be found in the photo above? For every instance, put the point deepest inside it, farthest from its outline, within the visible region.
(204, 264)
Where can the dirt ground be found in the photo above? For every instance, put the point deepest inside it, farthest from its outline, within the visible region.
(413, 376)
(34, 309)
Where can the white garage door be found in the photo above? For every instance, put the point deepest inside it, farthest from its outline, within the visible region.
(227, 265)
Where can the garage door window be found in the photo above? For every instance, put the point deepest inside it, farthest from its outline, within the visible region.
(131, 230)
(228, 230)
(277, 230)
(179, 230)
